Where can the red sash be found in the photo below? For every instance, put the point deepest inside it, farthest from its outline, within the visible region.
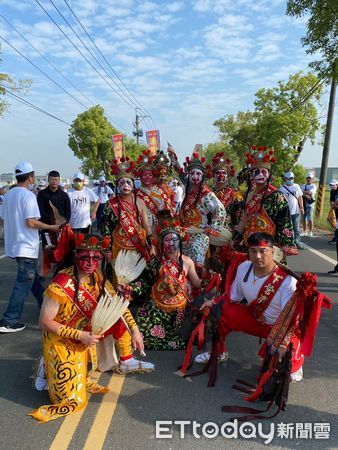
(266, 293)
(170, 268)
(225, 195)
(253, 205)
(85, 305)
(189, 213)
(127, 224)
(149, 202)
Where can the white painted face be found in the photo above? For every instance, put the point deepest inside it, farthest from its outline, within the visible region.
(196, 177)
(220, 176)
(125, 185)
(260, 175)
(171, 242)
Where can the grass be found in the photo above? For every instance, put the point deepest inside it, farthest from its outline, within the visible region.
(321, 223)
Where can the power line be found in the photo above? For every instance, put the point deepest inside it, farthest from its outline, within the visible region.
(311, 91)
(44, 73)
(104, 58)
(31, 105)
(83, 56)
(49, 62)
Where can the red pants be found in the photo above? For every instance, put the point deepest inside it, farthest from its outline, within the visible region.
(237, 317)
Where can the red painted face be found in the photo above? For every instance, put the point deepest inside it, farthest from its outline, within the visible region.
(147, 178)
(260, 175)
(88, 260)
(220, 176)
(171, 242)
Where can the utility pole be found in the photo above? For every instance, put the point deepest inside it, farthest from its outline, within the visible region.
(326, 150)
(138, 118)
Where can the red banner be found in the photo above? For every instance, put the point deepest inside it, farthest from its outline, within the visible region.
(153, 141)
(118, 144)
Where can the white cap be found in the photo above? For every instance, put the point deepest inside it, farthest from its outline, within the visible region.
(289, 175)
(79, 175)
(309, 175)
(62, 184)
(1, 186)
(102, 178)
(23, 167)
(333, 182)
(42, 183)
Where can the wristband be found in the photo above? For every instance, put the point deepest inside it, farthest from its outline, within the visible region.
(68, 332)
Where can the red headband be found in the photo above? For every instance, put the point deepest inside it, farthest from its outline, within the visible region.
(263, 244)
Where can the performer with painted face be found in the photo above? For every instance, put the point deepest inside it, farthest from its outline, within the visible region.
(230, 198)
(69, 303)
(162, 165)
(164, 312)
(149, 194)
(266, 209)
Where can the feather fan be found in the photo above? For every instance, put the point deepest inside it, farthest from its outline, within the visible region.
(107, 312)
(129, 265)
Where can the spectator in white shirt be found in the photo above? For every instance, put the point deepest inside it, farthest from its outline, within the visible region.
(309, 196)
(81, 199)
(178, 191)
(21, 223)
(103, 191)
(294, 196)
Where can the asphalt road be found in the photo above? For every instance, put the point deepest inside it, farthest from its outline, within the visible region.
(125, 418)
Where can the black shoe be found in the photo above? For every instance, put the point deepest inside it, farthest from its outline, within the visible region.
(333, 241)
(334, 271)
(11, 329)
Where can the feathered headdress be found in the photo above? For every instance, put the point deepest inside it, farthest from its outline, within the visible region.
(145, 161)
(124, 168)
(195, 162)
(260, 157)
(161, 160)
(220, 162)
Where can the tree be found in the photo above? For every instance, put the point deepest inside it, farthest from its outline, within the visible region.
(90, 140)
(8, 84)
(280, 120)
(322, 32)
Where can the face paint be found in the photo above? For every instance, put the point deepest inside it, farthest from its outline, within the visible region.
(171, 242)
(125, 185)
(196, 176)
(220, 176)
(147, 178)
(260, 175)
(88, 260)
(162, 174)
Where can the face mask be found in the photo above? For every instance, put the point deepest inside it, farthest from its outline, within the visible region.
(31, 186)
(289, 182)
(78, 185)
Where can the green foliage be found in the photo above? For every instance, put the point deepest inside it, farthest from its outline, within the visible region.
(8, 83)
(90, 140)
(280, 120)
(322, 32)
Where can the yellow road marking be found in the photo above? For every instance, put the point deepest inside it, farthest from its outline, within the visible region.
(99, 429)
(70, 423)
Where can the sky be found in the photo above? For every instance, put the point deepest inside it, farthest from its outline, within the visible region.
(185, 63)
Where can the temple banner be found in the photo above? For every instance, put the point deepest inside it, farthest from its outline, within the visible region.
(118, 144)
(153, 141)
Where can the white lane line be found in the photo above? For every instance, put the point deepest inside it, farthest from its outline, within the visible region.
(321, 255)
(2, 256)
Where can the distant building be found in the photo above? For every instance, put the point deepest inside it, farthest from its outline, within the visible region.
(331, 174)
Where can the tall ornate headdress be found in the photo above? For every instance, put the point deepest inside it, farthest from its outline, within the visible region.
(145, 161)
(220, 162)
(91, 241)
(195, 162)
(124, 168)
(260, 157)
(161, 160)
(168, 224)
